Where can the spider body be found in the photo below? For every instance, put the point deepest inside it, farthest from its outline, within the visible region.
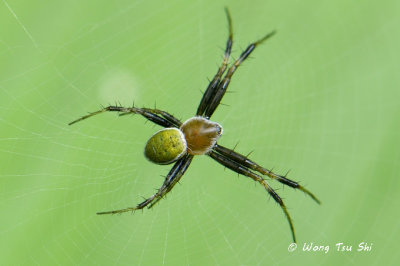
(196, 136)
(179, 142)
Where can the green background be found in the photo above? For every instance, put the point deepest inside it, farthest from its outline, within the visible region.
(321, 98)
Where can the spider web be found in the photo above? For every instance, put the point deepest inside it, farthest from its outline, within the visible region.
(320, 98)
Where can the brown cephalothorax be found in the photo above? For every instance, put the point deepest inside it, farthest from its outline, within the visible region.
(201, 134)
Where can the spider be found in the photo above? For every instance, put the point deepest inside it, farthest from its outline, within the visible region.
(179, 142)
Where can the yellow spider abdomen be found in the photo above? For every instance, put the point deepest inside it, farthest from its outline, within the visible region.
(165, 146)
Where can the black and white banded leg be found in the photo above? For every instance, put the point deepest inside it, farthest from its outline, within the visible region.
(243, 160)
(170, 181)
(220, 90)
(216, 88)
(235, 166)
(242, 165)
(209, 93)
(156, 116)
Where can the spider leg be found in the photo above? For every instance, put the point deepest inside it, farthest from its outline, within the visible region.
(156, 116)
(243, 160)
(223, 85)
(210, 91)
(240, 169)
(170, 181)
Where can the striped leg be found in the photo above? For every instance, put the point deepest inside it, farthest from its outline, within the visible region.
(156, 116)
(170, 181)
(240, 169)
